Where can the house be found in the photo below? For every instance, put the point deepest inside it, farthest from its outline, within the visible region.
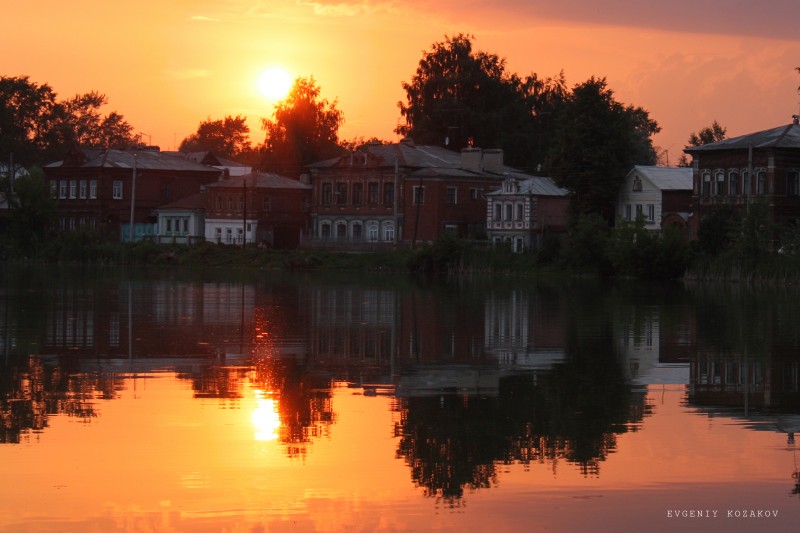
(524, 209)
(661, 195)
(102, 189)
(262, 208)
(210, 159)
(757, 167)
(182, 221)
(401, 193)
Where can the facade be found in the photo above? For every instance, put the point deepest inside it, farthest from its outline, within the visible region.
(400, 194)
(758, 167)
(661, 195)
(261, 208)
(99, 190)
(524, 210)
(182, 221)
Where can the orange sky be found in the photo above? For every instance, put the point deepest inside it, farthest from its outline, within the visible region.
(166, 66)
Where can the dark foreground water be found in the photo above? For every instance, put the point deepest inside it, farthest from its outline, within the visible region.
(167, 401)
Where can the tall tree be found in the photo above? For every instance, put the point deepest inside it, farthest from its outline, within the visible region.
(710, 134)
(304, 128)
(33, 211)
(596, 142)
(458, 95)
(228, 137)
(37, 128)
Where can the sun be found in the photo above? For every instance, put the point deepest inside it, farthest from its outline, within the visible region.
(274, 83)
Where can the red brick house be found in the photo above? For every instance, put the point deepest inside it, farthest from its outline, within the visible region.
(264, 209)
(762, 166)
(100, 189)
(401, 193)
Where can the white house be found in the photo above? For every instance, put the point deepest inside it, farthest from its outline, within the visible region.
(661, 195)
(182, 221)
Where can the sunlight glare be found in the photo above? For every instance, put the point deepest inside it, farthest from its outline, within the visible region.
(274, 83)
(265, 418)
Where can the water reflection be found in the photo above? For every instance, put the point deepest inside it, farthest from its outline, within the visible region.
(480, 377)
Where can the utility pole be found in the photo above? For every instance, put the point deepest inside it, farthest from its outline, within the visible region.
(133, 196)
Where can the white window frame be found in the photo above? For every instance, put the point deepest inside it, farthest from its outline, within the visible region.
(116, 191)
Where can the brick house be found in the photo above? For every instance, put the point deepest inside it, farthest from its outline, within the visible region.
(762, 166)
(401, 193)
(262, 208)
(524, 210)
(99, 189)
(662, 195)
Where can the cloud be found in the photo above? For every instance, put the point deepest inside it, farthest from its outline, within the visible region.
(347, 9)
(188, 74)
(203, 18)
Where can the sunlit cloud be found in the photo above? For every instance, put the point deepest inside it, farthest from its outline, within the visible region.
(203, 18)
(347, 9)
(188, 74)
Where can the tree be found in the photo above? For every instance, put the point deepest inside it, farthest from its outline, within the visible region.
(37, 128)
(596, 142)
(304, 128)
(459, 96)
(33, 211)
(710, 134)
(228, 137)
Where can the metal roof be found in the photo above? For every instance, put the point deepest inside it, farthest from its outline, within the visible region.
(787, 136)
(264, 180)
(667, 178)
(144, 160)
(195, 201)
(534, 185)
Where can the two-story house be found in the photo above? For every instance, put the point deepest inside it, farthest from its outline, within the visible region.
(524, 210)
(109, 190)
(401, 193)
(660, 195)
(258, 208)
(757, 167)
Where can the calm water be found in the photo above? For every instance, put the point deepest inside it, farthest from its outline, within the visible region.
(164, 401)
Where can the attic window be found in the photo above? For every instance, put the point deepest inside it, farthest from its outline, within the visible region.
(637, 184)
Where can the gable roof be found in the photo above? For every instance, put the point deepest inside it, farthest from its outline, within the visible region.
(787, 136)
(534, 185)
(666, 178)
(143, 159)
(193, 202)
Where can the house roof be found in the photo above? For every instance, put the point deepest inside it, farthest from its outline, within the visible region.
(534, 185)
(666, 178)
(787, 136)
(143, 159)
(264, 180)
(195, 201)
(208, 158)
(438, 161)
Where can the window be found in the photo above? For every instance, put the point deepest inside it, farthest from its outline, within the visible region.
(325, 231)
(92, 189)
(266, 204)
(73, 189)
(228, 235)
(82, 190)
(451, 229)
(169, 226)
(54, 189)
(793, 183)
(388, 232)
(518, 215)
(451, 196)
(388, 193)
(218, 233)
(628, 212)
(706, 191)
(419, 195)
(116, 190)
(357, 232)
(509, 207)
(651, 213)
(219, 202)
(358, 193)
(239, 203)
(720, 183)
(341, 193)
(473, 193)
(372, 232)
(230, 203)
(372, 193)
(327, 193)
(746, 185)
(498, 212)
(638, 211)
(761, 182)
(341, 231)
(733, 183)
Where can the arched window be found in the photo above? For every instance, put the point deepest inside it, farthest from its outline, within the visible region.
(733, 183)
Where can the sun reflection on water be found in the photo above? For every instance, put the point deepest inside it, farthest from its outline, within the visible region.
(266, 418)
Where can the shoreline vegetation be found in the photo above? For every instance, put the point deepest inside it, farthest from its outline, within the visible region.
(623, 252)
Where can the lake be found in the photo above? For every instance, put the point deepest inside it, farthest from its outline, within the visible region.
(168, 400)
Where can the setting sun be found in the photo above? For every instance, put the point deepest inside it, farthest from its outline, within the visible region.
(274, 83)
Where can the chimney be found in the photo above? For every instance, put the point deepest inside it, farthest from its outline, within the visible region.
(471, 159)
(795, 119)
(493, 160)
